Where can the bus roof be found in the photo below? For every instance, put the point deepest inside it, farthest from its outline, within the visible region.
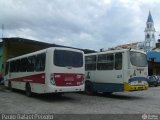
(115, 51)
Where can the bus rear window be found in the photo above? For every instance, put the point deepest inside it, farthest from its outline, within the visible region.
(65, 58)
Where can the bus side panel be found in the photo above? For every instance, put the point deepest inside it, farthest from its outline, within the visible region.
(108, 87)
(18, 85)
(38, 88)
(109, 76)
(109, 81)
(35, 87)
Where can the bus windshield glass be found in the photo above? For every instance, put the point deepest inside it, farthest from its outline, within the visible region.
(138, 59)
(65, 58)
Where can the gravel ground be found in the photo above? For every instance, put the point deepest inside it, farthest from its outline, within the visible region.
(77, 103)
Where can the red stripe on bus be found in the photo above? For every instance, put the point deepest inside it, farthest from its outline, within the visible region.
(38, 78)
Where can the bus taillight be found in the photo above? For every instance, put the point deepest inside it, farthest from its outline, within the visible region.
(57, 76)
(80, 77)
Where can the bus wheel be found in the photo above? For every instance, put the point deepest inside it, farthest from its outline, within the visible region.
(89, 90)
(28, 90)
(10, 85)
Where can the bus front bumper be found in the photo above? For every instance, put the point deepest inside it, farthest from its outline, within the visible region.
(128, 87)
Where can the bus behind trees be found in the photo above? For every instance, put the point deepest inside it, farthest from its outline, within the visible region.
(116, 71)
(52, 70)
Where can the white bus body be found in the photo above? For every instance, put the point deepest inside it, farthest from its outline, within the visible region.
(115, 71)
(51, 70)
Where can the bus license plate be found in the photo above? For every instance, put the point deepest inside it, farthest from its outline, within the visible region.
(68, 83)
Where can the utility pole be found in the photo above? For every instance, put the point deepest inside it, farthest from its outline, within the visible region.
(2, 30)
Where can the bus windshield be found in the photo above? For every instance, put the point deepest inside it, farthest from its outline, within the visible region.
(65, 58)
(138, 59)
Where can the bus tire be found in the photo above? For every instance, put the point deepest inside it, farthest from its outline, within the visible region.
(89, 89)
(28, 90)
(10, 86)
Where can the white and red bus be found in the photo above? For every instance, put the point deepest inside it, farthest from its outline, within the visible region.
(52, 70)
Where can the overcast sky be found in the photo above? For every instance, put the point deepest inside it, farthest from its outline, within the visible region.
(89, 24)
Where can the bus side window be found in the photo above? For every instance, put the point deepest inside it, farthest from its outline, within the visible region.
(40, 62)
(105, 62)
(90, 62)
(118, 61)
(12, 66)
(24, 64)
(17, 65)
(31, 64)
(7, 68)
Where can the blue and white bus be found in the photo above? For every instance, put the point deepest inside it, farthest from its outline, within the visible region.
(116, 71)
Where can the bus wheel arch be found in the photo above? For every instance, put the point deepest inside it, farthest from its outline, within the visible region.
(28, 89)
(89, 87)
